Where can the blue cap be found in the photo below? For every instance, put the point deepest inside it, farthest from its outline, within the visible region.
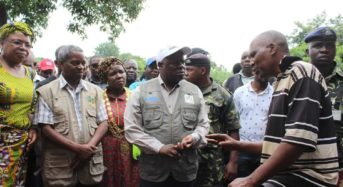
(150, 61)
(321, 34)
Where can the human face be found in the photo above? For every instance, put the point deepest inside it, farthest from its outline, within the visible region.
(172, 68)
(116, 77)
(261, 59)
(193, 74)
(94, 66)
(74, 67)
(131, 70)
(46, 73)
(321, 52)
(151, 71)
(245, 64)
(16, 48)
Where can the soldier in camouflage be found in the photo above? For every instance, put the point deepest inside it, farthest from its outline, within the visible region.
(322, 51)
(223, 119)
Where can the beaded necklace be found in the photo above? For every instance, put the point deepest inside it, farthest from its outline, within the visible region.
(115, 130)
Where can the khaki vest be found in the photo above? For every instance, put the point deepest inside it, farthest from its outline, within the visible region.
(57, 160)
(169, 129)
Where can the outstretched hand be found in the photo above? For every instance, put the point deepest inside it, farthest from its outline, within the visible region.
(223, 140)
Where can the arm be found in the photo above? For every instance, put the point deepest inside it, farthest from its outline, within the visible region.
(50, 133)
(227, 142)
(203, 126)
(231, 167)
(99, 134)
(284, 156)
(101, 118)
(296, 139)
(44, 117)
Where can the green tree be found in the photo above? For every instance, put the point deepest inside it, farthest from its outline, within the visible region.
(108, 14)
(296, 39)
(140, 61)
(219, 73)
(107, 49)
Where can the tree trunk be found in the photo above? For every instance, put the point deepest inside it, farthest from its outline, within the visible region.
(3, 14)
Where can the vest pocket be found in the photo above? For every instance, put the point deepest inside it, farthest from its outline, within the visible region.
(96, 164)
(152, 117)
(58, 167)
(189, 117)
(60, 124)
(91, 118)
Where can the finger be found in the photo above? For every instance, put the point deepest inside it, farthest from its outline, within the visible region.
(171, 154)
(212, 135)
(182, 146)
(188, 145)
(94, 148)
(178, 146)
(29, 143)
(213, 141)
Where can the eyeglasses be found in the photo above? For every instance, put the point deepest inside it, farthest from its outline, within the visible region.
(19, 43)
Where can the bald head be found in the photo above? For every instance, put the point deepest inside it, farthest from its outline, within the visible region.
(266, 52)
(272, 37)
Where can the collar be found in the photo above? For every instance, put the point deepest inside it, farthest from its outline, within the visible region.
(267, 90)
(287, 61)
(241, 74)
(38, 78)
(336, 72)
(213, 87)
(121, 97)
(94, 82)
(64, 83)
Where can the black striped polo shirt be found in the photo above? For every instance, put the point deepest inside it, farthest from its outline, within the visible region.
(300, 113)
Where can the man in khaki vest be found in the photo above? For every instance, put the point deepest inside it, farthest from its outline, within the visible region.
(72, 115)
(167, 119)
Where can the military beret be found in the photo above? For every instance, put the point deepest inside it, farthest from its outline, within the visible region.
(197, 50)
(321, 34)
(198, 60)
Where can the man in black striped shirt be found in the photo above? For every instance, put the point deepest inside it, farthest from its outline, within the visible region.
(299, 147)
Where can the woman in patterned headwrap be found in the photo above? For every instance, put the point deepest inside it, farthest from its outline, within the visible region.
(122, 169)
(16, 100)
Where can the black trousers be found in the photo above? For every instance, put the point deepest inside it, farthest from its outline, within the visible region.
(169, 182)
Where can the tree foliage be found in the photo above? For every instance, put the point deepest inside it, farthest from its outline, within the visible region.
(296, 39)
(219, 73)
(107, 49)
(108, 14)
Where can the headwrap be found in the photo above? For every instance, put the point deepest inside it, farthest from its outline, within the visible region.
(105, 65)
(13, 27)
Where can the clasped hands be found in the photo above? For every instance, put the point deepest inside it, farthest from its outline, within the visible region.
(173, 151)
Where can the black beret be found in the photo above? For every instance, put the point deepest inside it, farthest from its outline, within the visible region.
(321, 34)
(197, 50)
(198, 60)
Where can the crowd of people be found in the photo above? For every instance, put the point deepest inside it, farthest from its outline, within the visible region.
(78, 121)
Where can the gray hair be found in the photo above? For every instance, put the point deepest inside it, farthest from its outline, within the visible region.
(64, 52)
(56, 52)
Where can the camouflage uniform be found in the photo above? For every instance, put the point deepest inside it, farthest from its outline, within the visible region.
(211, 168)
(335, 88)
